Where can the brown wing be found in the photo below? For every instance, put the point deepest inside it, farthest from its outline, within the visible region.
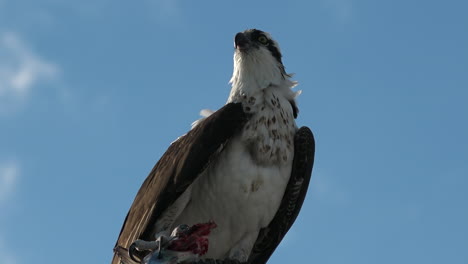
(270, 236)
(180, 165)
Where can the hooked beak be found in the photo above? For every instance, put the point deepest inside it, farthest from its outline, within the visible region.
(241, 42)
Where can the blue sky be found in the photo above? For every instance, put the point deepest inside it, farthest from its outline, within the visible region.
(93, 92)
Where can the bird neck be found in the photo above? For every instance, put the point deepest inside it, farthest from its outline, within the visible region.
(253, 74)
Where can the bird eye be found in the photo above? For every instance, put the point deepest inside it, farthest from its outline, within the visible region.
(262, 39)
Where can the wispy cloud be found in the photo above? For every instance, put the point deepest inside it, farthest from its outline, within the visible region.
(5, 256)
(21, 69)
(167, 12)
(342, 10)
(9, 172)
(325, 188)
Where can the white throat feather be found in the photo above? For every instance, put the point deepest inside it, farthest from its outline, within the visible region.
(256, 70)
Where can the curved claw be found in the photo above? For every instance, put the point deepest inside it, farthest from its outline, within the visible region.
(131, 250)
(219, 261)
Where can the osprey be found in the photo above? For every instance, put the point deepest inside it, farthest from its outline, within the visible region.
(245, 167)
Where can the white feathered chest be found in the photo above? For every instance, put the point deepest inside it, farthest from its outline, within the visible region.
(242, 189)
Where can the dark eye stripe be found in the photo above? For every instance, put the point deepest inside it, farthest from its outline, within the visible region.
(255, 34)
(275, 52)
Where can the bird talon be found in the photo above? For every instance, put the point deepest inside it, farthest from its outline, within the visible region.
(131, 250)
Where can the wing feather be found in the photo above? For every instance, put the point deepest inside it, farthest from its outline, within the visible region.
(180, 165)
(270, 236)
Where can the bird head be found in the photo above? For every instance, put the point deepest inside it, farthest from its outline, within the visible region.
(254, 42)
(257, 61)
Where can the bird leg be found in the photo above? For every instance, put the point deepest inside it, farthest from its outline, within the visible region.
(141, 245)
(218, 261)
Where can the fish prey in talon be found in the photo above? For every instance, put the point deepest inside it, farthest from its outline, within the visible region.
(185, 244)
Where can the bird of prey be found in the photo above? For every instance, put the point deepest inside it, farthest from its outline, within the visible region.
(246, 167)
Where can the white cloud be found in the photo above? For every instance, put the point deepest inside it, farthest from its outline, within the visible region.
(5, 256)
(166, 12)
(325, 188)
(9, 172)
(342, 10)
(21, 69)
